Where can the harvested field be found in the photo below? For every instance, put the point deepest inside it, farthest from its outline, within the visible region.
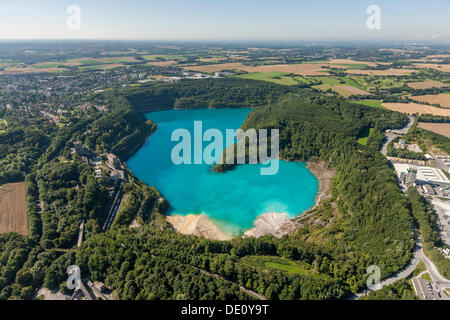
(162, 63)
(426, 84)
(102, 66)
(349, 61)
(435, 66)
(353, 90)
(13, 209)
(439, 128)
(216, 67)
(303, 69)
(437, 56)
(442, 99)
(410, 108)
(212, 59)
(28, 70)
(388, 72)
(104, 60)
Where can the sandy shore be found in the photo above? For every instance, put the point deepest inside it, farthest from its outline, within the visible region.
(197, 224)
(323, 174)
(273, 223)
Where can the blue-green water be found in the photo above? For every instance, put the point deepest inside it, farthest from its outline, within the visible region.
(233, 199)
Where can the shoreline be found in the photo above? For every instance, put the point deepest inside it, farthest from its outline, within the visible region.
(268, 223)
(323, 174)
(199, 225)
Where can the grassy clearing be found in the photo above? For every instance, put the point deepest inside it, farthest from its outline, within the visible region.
(282, 264)
(371, 103)
(273, 76)
(365, 134)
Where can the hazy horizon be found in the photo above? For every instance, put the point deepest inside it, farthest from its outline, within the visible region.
(200, 20)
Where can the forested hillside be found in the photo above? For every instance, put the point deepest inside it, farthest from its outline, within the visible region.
(209, 93)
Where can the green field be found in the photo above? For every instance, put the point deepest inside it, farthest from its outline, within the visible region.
(283, 265)
(340, 81)
(165, 57)
(274, 76)
(371, 103)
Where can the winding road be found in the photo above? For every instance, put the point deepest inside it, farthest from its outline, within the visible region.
(438, 280)
(391, 135)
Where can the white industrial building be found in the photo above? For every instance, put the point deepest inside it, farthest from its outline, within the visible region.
(411, 174)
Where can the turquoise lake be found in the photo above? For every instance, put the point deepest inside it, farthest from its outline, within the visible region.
(233, 199)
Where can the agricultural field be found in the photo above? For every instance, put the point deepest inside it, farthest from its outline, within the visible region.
(275, 77)
(435, 66)
(217, 67)
(279, 78)
(412, 108)
(17, 70)
(79, 63)
(345, 86)
(370, 103)
(315, 68)
(162, 63)
(13, 209)
(442, 99)
(303, 69)
(426, 84)
(353, 91)
(163, 57)
(351, 62)
(387, 72)
(100, 66)
(439, 128)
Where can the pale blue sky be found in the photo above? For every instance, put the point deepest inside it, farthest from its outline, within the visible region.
(226, 19)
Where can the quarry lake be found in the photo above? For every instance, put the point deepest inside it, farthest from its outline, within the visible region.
(233, 200)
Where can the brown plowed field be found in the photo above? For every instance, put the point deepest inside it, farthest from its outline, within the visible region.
(439, 128)
(426, 84)
(442, 99)
(411, 108)
(13, 208)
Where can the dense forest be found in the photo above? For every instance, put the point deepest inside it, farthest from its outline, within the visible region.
(208, 93)
(21, 143)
